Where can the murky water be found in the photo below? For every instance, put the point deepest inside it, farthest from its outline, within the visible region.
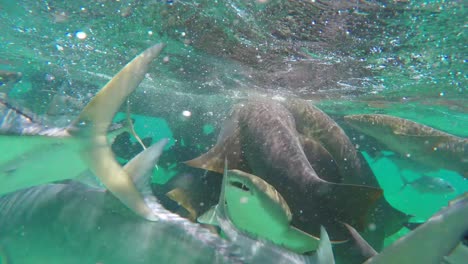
(401, 58)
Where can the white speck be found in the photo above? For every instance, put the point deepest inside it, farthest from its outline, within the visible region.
(372, 227)
(186, 113)
(435, 148)
(441, 93)
(150, 32)
(183, 34)
(81, 35)
(59, 48)
(244, 200)
(408, 155)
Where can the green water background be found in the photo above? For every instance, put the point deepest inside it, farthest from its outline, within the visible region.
(415, 53)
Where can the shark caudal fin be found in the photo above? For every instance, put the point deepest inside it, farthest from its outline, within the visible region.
(93, 123)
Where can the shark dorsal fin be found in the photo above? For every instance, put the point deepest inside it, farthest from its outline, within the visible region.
(93, 123)
(140, 167)
(324, 253)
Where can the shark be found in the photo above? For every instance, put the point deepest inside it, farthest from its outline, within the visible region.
(438, 240)
(417, 142)
(256, 208)
(242, 192)
(37, 153)
(335, 158)
(260, 137)
(57, 222)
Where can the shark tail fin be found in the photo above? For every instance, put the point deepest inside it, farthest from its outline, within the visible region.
(93, 123)
(324, 253)
(140, 167)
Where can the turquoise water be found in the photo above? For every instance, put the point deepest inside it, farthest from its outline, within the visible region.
(402, 58)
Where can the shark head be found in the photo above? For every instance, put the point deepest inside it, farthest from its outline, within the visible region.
(254, 207)
(244, 192)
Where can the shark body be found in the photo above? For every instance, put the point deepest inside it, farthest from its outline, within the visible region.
(260, 137)
(436, 241)
(56, 223)
(253, 191)
(38, 154)
(414, 141)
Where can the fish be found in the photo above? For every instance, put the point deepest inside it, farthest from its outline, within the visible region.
(224, 216)
(40, 154)
(260, 138)
(420, 143)
(428, 184)
(57, 222)
(433, 241)
(256, 208)
(331, 142)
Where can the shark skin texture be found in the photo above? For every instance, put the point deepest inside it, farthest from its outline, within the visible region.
(420, 143)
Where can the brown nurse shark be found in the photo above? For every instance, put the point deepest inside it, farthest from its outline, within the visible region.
(260, 137)
(414, 141)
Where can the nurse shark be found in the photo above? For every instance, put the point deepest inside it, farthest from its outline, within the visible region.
(414, 141)
(37, 153)
(260, 137)
(256, 208)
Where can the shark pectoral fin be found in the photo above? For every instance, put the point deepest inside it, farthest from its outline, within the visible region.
(324, 253)
(94, 121)
(299, 241)
(366, 250)
(213, 160)
(227, 148)
(182, 197)
(209, 217)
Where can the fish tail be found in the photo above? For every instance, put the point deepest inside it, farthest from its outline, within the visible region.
(404, 180)
(94, 121)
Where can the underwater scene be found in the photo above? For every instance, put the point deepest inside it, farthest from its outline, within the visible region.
(233, 131)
